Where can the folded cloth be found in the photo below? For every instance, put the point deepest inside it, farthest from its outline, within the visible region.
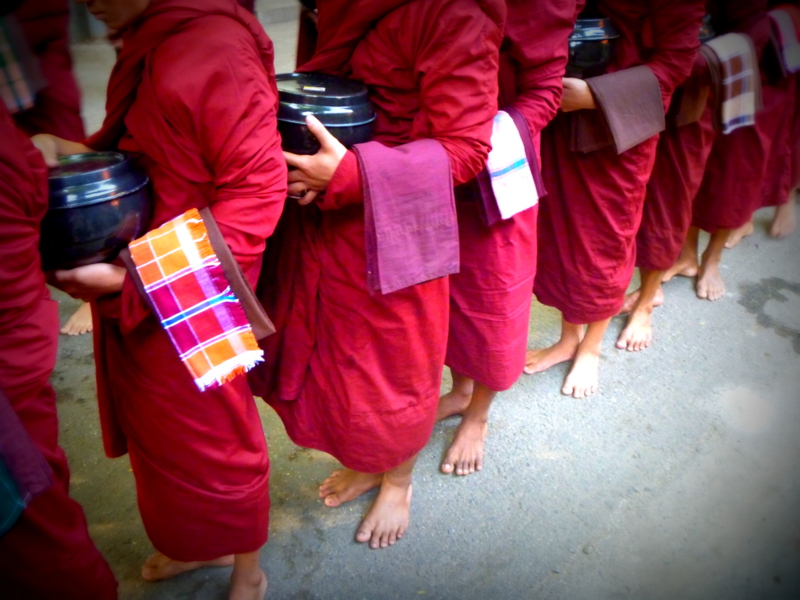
(186, 286)
(26, 466)
(690, 98)
(785, 27)
(733, 66)
(20, 76)
(410, 225)
(509, 168)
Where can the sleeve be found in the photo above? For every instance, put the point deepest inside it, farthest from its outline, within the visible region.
(224, 102)
(537, 45)
(453, 50)
(670, 35)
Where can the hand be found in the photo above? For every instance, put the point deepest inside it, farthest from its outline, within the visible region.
(577, 95)
(313, 173)
(52, 147)
(89, 282)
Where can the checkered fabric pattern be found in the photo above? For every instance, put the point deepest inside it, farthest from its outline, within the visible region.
(741, 84)
(192, 298)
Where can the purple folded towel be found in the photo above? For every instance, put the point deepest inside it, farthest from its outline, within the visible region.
(409, 214)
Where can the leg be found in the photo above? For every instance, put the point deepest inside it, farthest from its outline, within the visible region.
(709, 282)
(582, 380)
(465, 453)
(638, 332)
(159, 566)
(457, 399)
(686, 265)
(737, 235)
(80, 322)
(387, 519)
(785, 220)
(248, 581)
(563, 350)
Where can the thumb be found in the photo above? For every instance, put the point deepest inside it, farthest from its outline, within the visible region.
(325, 138)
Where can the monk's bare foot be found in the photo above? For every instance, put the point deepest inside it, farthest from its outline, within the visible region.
(345, 485)
(737, 235)
(709, 282)
(465, 454)
(537, 361)
(387, 520)
(583, 380)
(632, 298)
(686, 266)
(248, 586)
(80, 322)
(785, 221)
(455, 402)
(638, 332)
(159, 567)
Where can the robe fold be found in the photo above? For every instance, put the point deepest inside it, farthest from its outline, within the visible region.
(351, 373)
(48, 553)
(588, 221)
(490, 298)
(58, 106)
(193, 97)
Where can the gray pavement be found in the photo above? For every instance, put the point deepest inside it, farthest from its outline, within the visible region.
(679, 480)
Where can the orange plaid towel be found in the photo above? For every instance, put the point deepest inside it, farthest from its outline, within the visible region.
(186, 285)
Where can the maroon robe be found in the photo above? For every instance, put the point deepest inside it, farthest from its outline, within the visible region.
(358, 374)
(490, 298)
(48, 553)
(201, 119)
(588, 221)
(58, 106)
(731, 190)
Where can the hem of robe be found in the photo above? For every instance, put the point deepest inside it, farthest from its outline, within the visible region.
(488, 333)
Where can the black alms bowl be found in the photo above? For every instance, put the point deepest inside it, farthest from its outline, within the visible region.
(707, 30)
(342, 105)
(98, 204)
(591, 47)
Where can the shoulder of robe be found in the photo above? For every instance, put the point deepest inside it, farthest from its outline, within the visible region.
(206, 48)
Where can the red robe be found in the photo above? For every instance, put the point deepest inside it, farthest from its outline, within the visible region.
(58, 106)
(201, 119)
(781, 172)
(588, 221)
(490, 298)
(681, 157)
(48, 553)
(358, 375)
(731, 190)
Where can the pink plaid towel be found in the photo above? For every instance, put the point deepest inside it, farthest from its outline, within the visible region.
(186, 285)
(786, 25)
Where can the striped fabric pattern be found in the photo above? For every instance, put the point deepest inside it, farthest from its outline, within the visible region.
(741, 84)
(786, 22)
(512, 181)
(17, 94)
(186, 285)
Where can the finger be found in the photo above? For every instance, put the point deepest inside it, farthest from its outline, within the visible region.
(47, 147)
(308, 198)
(326, 139)
(297, 190)
(296, 175)
(295, 160)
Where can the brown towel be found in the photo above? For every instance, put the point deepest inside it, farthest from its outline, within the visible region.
(260, 323)
(630, 104)
(690, 98)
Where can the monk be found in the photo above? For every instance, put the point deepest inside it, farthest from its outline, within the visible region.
(588, 221)
(738, 164)
(358, 371)
(200, 117)
(48, 553)
(58, 106)
(490, 298)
